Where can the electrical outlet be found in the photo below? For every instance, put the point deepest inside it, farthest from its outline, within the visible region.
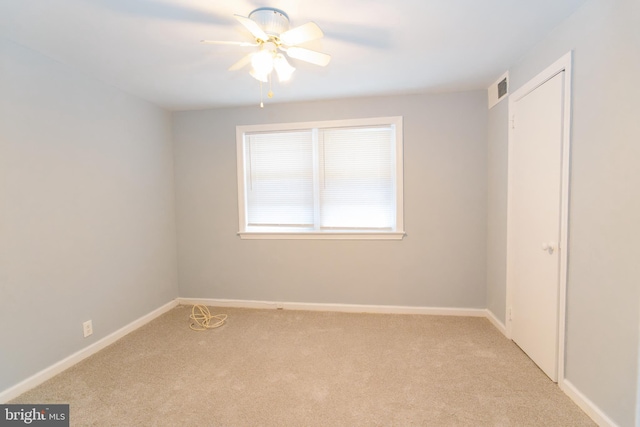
(87, 328)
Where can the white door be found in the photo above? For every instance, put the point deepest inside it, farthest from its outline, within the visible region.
(535, 197)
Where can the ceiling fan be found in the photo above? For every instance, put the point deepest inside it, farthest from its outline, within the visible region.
(273, 37)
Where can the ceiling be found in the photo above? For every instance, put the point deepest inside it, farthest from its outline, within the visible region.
(151, 48)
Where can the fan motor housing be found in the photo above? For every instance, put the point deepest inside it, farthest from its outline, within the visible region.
(272, 21)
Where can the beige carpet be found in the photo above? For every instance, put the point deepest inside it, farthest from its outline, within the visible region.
(295, 368)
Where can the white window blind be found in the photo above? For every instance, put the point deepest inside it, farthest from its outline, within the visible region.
(357, 181)
(321, 178)
(279, 175)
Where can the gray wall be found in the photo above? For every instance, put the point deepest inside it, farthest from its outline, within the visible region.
(87, 228)
(602, 337)
(441, 261)
(497, 209)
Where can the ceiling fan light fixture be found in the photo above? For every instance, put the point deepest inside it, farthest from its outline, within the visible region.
(282, 67)
(273, 36)
(262, 62)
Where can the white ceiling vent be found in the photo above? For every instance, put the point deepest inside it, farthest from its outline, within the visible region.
(499, 90)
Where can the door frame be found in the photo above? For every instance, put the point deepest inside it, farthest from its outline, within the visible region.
(562, 64)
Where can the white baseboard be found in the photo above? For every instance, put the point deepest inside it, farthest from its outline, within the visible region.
(212, 302)
(56, 368)
(586, 405)
(344, 308)
(496, 322)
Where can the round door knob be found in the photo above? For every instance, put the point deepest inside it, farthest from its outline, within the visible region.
(549, 247)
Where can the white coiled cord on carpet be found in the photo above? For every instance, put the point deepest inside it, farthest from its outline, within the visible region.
(202, 319)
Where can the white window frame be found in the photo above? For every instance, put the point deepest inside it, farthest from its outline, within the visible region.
(396, 234)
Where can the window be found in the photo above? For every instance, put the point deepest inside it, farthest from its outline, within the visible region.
(338, 179)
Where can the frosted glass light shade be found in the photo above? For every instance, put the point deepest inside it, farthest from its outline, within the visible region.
(262, 62)
(283, 68)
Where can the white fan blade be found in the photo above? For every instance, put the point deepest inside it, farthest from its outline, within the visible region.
(303, 33)
(229, 43)
(311, 56)
(253, 28)
(244, 61)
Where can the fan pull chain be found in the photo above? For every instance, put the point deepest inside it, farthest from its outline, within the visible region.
(270, 93)
(261, 103)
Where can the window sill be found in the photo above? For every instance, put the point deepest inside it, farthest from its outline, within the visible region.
(322, 235)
